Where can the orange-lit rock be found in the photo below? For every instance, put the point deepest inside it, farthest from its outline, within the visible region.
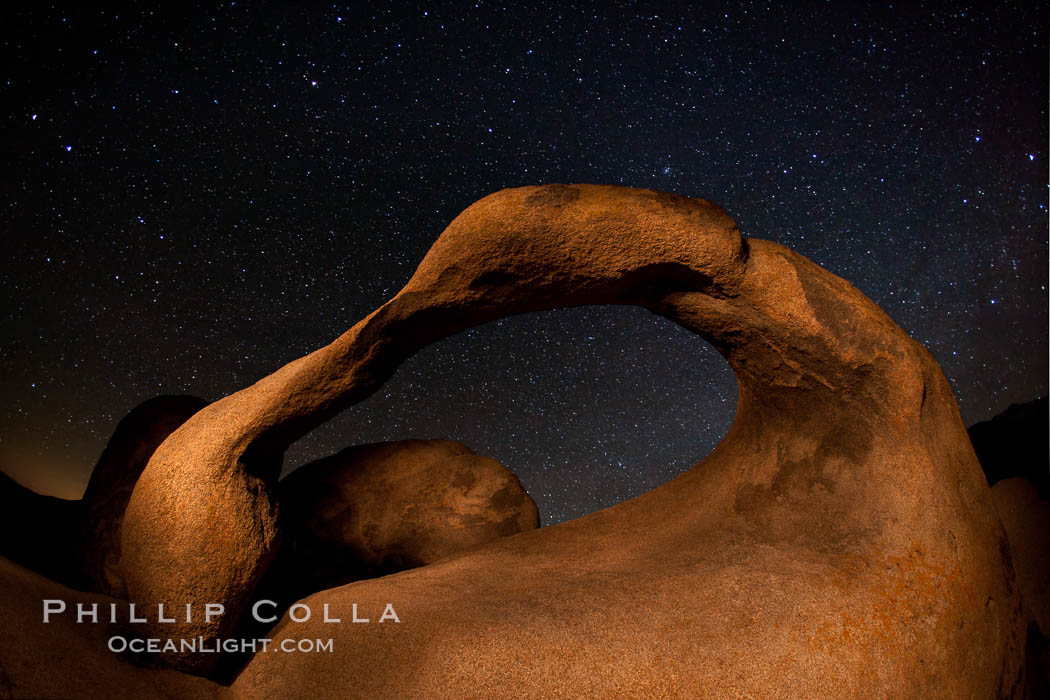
(133, 442)
(840, 541)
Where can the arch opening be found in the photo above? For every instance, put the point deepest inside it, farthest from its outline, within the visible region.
(589, 406)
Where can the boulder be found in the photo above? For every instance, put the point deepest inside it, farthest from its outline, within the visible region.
(840, 541)
(376, 509)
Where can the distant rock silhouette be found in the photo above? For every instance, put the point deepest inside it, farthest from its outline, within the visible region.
(39, 532)
(1015, 443)
(77, 542)
(133, 442)
(841, 541)
(376, 509)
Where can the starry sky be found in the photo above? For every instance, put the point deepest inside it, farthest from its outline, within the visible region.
(193, 197)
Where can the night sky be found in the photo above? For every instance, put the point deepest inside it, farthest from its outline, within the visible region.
(192, 198)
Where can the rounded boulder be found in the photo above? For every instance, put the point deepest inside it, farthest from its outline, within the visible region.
(371, 510)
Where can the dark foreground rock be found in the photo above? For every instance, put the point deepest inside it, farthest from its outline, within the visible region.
(1015, 443)
(1026, 519)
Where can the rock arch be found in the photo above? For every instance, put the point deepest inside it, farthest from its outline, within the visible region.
(844, 508)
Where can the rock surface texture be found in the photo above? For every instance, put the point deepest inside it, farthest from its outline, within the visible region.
(377, 509)
(840, 541)
(106, 497)
(64, 659)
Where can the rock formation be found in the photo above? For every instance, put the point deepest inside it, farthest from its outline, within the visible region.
(1015, 443)
(1026, 518)
(1012, 450)
(39, 532)
(376, 509)
(840, 541)
(133, 442)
